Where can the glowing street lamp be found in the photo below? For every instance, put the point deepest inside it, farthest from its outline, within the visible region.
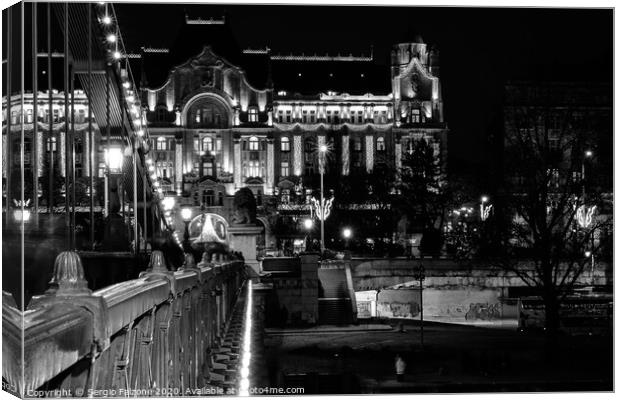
(485, 210)
(308, 223)
(186, 215)
(168, 203)
(586, 154)
(114, 158)
(347, 233)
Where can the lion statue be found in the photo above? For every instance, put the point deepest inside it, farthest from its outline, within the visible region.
(245, 207)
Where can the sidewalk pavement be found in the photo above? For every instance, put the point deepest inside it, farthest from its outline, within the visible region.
(329, 329)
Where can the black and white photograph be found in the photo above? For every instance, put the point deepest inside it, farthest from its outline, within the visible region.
(205, 199)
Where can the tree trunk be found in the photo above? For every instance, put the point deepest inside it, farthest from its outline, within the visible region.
(552, 323)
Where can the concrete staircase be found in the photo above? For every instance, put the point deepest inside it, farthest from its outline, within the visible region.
(335, 303)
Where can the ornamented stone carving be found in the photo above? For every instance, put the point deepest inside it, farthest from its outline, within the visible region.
(68, 277)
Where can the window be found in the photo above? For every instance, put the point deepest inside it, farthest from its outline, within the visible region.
(207, 144)
(253, 144)
(56, 115)
(415, 116)
(207, 168)
(381, 144)
(208, 198)
(286, 196)
(288, 116)
(285, 144)
(280, 116)
(357, 144)
(360, 117)
(196, 145)
(51, 144)
(329, 117)
(81, 116)
(253, 115)
(162, 144)
(161, 115)
(218, 145)
(312, 116)
(284, 169)
(254, 169)
(29, 116)
(304, 117)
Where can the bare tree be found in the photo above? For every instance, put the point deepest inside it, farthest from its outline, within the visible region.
(545, 243)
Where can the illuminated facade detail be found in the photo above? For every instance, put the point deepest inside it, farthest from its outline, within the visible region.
(178, 164)
(237, 162)
(298, 156)
(270, 167)
(61, 153)
(345, 155)
(398, 154)
(370, 152)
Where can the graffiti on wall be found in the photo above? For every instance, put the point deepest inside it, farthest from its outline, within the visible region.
(398, 310)
(483, 311)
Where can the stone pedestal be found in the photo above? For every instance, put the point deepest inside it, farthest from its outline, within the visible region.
(242, 238)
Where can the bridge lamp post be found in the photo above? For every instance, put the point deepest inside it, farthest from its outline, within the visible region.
(114, 162)
(186, 215)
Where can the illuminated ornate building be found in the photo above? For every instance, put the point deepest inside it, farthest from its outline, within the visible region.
(226, 118)
(214, 129)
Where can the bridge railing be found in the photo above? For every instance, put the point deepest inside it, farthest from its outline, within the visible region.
(146, 336)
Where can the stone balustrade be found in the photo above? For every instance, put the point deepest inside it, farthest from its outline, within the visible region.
(146, 336)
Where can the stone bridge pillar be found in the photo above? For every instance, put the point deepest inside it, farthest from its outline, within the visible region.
(242, 238)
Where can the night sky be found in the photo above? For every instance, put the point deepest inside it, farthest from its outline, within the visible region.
(480, 49)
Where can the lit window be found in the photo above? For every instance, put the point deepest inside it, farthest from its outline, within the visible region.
(254, 169)
(207, 144)
(29, 116)
(415, 116)
(253, 143)
(253, 115)
(162, 144)
(284, 170)
(380, 144)
(285, 144)
(51, 144)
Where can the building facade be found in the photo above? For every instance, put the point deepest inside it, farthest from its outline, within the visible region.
(213, 132)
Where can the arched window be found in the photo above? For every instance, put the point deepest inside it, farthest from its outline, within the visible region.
(380, 144)
(253, 144)
(207, 144)
(285, 144)
(207, 113)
